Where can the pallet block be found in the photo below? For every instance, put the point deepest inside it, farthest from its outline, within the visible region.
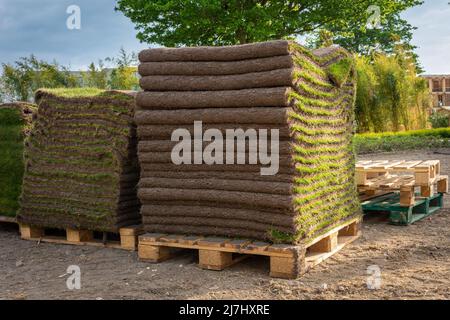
(28, 232)
(442, 186)
(128, 237)
(79, 235)
(286, 261)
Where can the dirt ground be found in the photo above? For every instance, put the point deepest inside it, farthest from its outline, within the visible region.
(414, 263)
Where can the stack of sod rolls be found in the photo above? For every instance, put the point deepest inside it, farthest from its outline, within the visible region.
(81, 161)
(15, 122)
(308, 96)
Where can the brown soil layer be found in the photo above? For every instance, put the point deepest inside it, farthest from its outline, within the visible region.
(266, 79)
(201, 68)
(234, 116)
(228, 53)
(259, 97)
(164, 132)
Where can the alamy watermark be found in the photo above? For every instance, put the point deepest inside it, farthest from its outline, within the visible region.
(73, 282)
(374, 20)
(374, 277)
(189, 150)
(73, 21)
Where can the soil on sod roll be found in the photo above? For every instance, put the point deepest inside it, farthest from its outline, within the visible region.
(15, 123)
(81, 161)
(307, 95)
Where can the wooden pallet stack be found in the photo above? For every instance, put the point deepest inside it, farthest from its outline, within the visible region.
(382, 176)
(409, 190)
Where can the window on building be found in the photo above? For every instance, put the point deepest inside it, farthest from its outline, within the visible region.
(437, 86)
(447, 85)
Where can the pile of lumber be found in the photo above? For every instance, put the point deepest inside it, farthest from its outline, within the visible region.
(307, 96)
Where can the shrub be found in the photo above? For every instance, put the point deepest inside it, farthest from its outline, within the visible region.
(395, 141)
(439, 120)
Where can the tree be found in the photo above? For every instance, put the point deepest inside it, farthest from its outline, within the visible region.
(390, 95)
(124, 78)
(96, 77)
(226, 22)
(120, 73)
(389, 30)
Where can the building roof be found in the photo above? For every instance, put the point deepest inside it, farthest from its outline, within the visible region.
(435, 75)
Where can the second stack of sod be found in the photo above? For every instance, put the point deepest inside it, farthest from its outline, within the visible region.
(15, 122)
(81, 164)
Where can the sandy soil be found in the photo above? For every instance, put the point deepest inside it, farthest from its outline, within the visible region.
(414, 262)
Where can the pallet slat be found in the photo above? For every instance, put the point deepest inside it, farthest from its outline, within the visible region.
(404, 215)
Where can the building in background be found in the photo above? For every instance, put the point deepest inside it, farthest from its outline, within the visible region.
(440, 91)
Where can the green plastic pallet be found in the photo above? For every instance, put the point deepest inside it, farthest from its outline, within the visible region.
(404, 216)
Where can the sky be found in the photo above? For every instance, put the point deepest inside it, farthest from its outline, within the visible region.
(433, 34)
(39, 27)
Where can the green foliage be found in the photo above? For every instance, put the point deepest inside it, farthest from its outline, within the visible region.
(281, 237)
(340, 71)
(439, 120)
(395, 141)
(124, 78)
(74, 92)
(11, 160)
(19, 81)
(96, 77)
(390, 95)
(391, 32)
(217, 22)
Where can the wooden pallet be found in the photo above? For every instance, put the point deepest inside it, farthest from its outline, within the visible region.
(424, 171)
(286, 261)
(128, 237)
(401, 215)
(364, 196)
(406, 185)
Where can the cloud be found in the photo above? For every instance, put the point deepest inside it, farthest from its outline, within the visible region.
(39, 27)
(433, 34)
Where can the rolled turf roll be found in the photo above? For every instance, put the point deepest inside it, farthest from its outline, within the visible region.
(149, 132)
(201, 68)
(307, 96)
(15, 125)
(215, 115)
(258, 97)
(81, 161)
(265, 79)
(229, 53)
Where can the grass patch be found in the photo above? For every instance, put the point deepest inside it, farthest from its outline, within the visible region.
(339, 72)
(397, 141)
(83, 93)
(11, 159)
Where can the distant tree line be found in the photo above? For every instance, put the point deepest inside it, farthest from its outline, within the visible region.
(390, 96)
(19, 81)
